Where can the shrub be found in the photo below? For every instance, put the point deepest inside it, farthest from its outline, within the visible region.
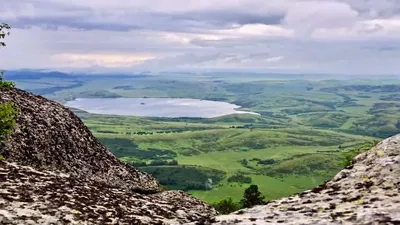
(267, 162)
(239, 178)
(349, 155)
(226, 206)
(6, 84)
(164, 163)
(7, 122)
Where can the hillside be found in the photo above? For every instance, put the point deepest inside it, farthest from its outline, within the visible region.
(55, 170)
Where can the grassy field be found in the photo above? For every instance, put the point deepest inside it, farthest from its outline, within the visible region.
(218, 146)
(295, 144)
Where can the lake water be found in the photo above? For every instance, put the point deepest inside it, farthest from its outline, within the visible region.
(155, 107)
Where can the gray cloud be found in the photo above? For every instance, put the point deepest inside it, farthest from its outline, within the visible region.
(344, 36)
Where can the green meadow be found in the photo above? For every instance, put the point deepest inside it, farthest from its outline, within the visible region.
(296, 143)
(303, 157)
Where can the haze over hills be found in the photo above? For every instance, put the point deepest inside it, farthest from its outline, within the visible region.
(37, 74)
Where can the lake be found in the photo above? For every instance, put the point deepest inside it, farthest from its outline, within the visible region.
(156, 107)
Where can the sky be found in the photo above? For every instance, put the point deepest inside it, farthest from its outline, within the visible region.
(329, 36)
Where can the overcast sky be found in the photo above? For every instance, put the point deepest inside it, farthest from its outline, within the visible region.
(333, 36)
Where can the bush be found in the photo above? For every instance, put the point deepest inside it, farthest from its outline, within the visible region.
(349, 155)
(239, 178)
(267, 162)
(164, 163)
(6, 84)
(226, 206)
(7, 122)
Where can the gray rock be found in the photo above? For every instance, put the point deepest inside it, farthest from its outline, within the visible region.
(29, 196)
(56, 172)
(49, 136)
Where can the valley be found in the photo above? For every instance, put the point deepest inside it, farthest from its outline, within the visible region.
(296, 143)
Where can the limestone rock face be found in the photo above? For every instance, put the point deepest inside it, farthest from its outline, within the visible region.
(368, 192)
(56, 172)
(29, 196)
(49, 136)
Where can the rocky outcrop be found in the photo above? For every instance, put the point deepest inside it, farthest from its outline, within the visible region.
(368, 192)
(29, 196)
(56, 172)
(48, 136)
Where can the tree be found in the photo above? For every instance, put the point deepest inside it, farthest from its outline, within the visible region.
(4, 31)
(226, 206)
(252, 197)
(7, 111)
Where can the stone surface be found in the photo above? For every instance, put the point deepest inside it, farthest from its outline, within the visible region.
(49, 136)
(368, 192)
(44, 197)
(56, 172)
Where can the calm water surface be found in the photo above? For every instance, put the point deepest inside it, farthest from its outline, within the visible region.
(155, 107)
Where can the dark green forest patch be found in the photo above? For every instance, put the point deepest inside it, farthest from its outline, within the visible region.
(239, 178)
(185, 177)
(126, 148)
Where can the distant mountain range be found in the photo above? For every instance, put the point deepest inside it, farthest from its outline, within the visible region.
(37, 74)
(26, 74)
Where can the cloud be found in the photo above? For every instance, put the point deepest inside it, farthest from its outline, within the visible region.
(108, 60)
(343, 36)
(306, 16)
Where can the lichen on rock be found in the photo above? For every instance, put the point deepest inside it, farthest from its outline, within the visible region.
(44, 197)
(49, 136)
(56, 172)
